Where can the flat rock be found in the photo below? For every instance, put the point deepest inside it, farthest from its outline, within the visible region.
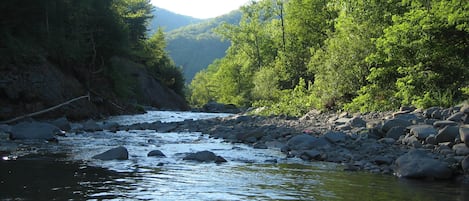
(204, 156)
(33, 130)
(418, 165)
(442, 124)
(156, 153)
(118, 153)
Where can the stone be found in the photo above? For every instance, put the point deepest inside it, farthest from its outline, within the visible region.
(447, 134)
(204, 156)
(394, 123)
(464, 134)
(405, 116)
(387, 140)
(382, 160)
(418, 165)
(118, 153)
(465, 164)
(431, 140)
(335, 137)
(306, 142)
(356, 122)
(456, 117)
(461, 149)
(260, 146)
(62, 123)
(442, 124)
(311, 155)
(156, 153)
(465, 109)
(422, 131)
(428, 112)
(90, 126)
(395, 132)
(33, 130)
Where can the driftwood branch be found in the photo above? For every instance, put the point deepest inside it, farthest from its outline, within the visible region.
(45, 110)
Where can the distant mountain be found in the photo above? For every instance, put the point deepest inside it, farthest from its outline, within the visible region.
(195, 46)
(169, 20)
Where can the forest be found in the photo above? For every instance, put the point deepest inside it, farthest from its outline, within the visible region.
(85, 39)
(290, 56)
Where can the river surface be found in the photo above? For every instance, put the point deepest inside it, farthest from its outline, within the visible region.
(65, 171)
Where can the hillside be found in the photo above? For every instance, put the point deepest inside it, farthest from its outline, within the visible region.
(195, 46)
(169, 20)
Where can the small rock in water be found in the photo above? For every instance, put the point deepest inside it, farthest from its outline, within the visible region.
(156, 153)
(119, 153)
(204, 156)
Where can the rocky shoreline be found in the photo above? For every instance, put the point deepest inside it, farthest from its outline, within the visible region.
(422, 144)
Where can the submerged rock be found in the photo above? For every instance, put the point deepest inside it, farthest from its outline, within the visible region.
(118, 153)
(156, 153)
(418, 165)
(204, 156)
(33, 130)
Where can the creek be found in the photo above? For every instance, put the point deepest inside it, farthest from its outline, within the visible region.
(65, 171)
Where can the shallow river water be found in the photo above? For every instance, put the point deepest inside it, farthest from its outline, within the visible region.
(67, 171)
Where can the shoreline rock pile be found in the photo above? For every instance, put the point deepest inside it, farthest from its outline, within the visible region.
(410, 143)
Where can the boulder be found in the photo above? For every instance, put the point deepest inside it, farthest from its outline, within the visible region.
(465, 109)
(306, 142)
(430, 111)
(156, 153)
(465, 164)
(311, 155)
(204, 156)
(62, 123)
(335, 137)
(394, 123)
(356, 122)
(395, 132)
(418, 165)
(118, 153)
(431, 140)
(461, 149)
(422, 131)
(405, 116)
(447, 134)
(33, 130)
(464, 134)
(456, 117)
(90, 126)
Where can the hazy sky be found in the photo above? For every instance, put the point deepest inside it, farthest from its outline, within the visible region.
(200, 8)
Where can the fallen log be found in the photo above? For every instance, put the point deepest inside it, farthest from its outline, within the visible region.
(46, 110)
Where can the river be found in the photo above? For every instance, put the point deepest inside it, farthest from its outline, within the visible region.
(65, 171)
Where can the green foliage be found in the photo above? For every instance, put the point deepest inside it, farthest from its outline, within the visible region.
(364, 55)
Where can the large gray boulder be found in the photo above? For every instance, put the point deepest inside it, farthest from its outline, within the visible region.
(418, 165)
(447, 134)
(356, 122)
(306, 142)
(204, 156)
(118, 153)
(396, 132)
(422, 131)
(394, 123)
(33, 130)
(464, 134)
(335, 137)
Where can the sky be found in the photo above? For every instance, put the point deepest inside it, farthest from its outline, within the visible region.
(202, 9)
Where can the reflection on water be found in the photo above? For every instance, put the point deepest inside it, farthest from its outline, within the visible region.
(72, 175)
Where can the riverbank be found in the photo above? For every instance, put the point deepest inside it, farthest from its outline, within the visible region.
(422, 144)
